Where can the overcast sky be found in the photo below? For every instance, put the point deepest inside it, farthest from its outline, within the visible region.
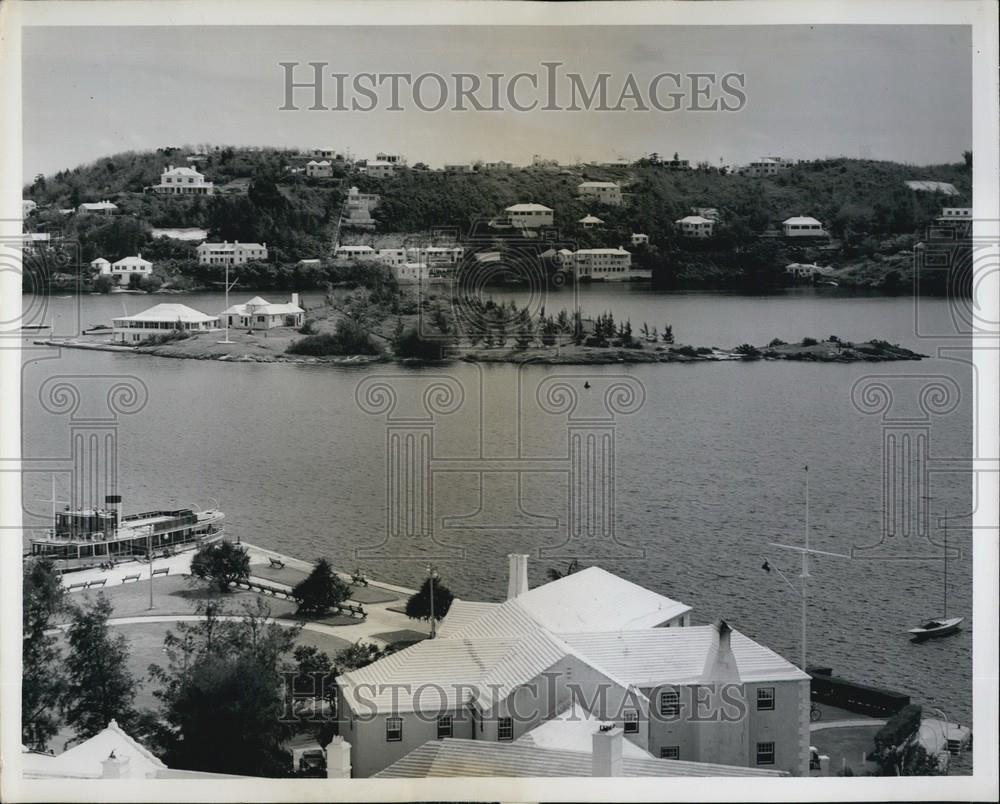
(884, 92)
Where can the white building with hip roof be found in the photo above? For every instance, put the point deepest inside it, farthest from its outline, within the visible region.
(161, 319)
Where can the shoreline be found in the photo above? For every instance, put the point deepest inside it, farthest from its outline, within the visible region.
(563, 355)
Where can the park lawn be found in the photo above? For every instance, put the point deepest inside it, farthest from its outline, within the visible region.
(371, 594)
(173, 595)
(289, 576)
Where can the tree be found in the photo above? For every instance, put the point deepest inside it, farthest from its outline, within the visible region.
(103, 283)
(898, 751)
(554, 574)
(222, 564)
(418, 606)
(321, 591)
(42, 679)
(99, 686)
(221, 694)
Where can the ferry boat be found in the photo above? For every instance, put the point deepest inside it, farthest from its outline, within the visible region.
(84, 537)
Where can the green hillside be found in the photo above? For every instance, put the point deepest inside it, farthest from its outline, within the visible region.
(872, 216)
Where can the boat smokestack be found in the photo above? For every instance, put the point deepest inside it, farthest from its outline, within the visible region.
(517, 583)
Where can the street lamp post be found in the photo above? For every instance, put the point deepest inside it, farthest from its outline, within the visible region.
(228, 286)
(149, 550)
(432, 575)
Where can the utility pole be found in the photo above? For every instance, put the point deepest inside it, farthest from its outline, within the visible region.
(228, 286)
(432, 575)
(149, 549)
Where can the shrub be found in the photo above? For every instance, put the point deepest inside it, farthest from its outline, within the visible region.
(687, 351)
(166, 337)
(809, 341)
(749, 351)
(308, 327)
(221, 564)
(411, 344)
(150, 282)
(103, 283)
(776, 342)
(350, 338)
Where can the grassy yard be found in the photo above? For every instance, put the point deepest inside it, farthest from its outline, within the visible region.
(845, 746)
(173, 595)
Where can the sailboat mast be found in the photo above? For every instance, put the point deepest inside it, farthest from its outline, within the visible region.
(946, 564)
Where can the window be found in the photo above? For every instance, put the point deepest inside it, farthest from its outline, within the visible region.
(765, 699)
(505, 728)
(765, 753)
(393, 729)
(670, 752)
(670, 703)
(444, 726)
(631, 722)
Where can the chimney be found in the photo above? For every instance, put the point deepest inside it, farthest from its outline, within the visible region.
(113, 767)
(607, 751)
(338, 759)
(517, 583)
(295, 299)
(720, 663)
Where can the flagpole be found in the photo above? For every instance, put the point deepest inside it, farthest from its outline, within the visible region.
(805, 577)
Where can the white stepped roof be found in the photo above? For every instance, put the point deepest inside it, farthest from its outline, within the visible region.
(528, 208)
(801, 220)
(170, 312)
(693, 219)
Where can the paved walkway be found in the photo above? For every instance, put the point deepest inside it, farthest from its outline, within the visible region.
(379, 619)
(846, 724)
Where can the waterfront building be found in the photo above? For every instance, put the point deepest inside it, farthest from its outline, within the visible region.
(529, 216)
(606, 264)
(159, 320)
(183, 181)
(231, 254)
(803, 227)
(319, 170)
(98, 208)
(605, 192)
(101, 265)
(121, 270)
(696, 226)
(590, 222)
(259, 313)
(640, 239)
(625, 654)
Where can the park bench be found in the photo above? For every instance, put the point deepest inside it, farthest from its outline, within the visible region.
(81, 585)
(130, 578)
(163, 571)
(277, 563)
(97, 583)
(352, 610)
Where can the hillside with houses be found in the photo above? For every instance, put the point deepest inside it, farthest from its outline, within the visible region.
(288, 219)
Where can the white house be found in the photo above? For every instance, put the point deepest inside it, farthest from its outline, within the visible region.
(590, 222)
(436, 255)
(619, 653)
(357, 209)
(607, 264)
(768, 166)
(122, 270)
(232, 254)
(955, 215)
(160, 320)
(803, 227)
(364, 253)
(329, 154)
(98, 208)
(605, 192)
(529, 216)
(101, 265)
(183, 181)
(380, 169)
(411, 272)
(259, 313)
(695, 226)
(392, 159)
(639, 239)
(319, 170)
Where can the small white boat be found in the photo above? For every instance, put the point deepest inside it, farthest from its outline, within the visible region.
(944, 625)
(937, 627)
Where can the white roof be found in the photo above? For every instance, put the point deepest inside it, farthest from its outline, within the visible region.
(590, 219)
(313, 162)
(99, 205)
(226, 246)
(127, 261)
(618, 250)
(574, 730)
(458, 757)
(84, 760)
(693, 219)
(380, 163)
(677, 655)
(100, 261)
(802, 220)
(597, 184)
(594, 599)
(527, 208)
(180, 171)
(462, 613)
(933, 187)
(355, 249)
(170, 312)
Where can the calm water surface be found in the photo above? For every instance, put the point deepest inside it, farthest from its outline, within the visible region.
(708, 469)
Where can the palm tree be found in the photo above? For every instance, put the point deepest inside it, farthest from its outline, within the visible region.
(554, 575)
